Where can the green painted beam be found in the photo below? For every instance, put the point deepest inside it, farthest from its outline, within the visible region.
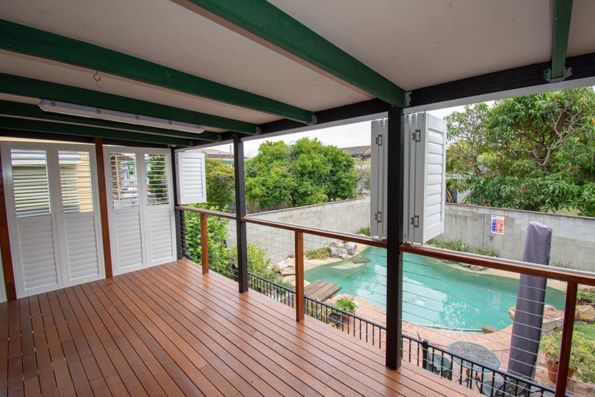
(93, 132)
(24, 86)
(269, 23)
(23, 110)
(562, 11)
(26, 40)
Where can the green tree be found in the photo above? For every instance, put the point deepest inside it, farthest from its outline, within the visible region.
(220, 183)
(304, 173)
(534, 152)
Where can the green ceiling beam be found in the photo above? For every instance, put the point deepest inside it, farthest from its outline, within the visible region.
(264, 20)
(24, 86)
(562, 11)
(26, 40)
(23, 110)
(8, 123)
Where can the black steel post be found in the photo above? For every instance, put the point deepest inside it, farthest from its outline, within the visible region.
(179, 215)
(394, 218)
(242, 243)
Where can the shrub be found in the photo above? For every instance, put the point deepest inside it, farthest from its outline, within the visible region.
(582, 359)
(217, 227)
(365, 230)
(346, 304)
(318, 253)
(461, 246)
(586, 297)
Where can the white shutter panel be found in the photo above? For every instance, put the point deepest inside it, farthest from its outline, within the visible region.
(379, 178)
(425, 155)
(191, 177)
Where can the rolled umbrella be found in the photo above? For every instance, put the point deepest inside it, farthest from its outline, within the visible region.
(528, 318)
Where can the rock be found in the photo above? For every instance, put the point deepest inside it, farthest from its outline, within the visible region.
(337, 244)
(361, 259)
(351, 248)
(338, 252)
(585, 313)
(278, 266)
(288, 271)
(464, 264)
(488, 329)
(477, 268)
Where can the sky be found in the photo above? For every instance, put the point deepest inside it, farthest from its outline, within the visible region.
(357, 134)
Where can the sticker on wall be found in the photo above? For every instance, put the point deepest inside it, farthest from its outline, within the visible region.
(497, 224)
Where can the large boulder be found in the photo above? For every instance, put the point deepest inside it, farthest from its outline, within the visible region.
(351, 248)
(338, 252)
(585, 313)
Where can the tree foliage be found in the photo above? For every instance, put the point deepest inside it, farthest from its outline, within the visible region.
(219, 260)
(220, 183)
(304, 173)
(534, 152)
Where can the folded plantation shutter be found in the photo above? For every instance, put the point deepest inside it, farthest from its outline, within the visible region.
(424, 178)
(78, 218)
(34, 248)
(125, 214)
(379, 178)
(191, 177)
(157, 209)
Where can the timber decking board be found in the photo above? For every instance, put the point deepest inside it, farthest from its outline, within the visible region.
(321, 290)
(170, 330)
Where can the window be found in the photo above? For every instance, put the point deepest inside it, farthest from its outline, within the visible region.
(75, 181)
(156, 175)
(124, 182)
(30, 181)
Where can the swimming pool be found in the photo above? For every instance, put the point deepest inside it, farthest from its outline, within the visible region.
(434, 294)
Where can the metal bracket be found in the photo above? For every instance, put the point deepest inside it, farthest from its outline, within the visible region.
(416, 135)
(378, 216)
(415, 220)
(547, 75)
(407, 99)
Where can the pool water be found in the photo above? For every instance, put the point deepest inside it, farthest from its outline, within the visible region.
(434, 294)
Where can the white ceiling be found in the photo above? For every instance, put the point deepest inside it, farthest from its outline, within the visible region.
(414, 43)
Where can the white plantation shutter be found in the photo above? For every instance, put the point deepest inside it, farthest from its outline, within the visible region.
(79, 236)
(191, 177)
(425, 184)
(379, 178)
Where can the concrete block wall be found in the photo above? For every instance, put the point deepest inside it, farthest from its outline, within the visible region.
(342, 216)
(573, 240)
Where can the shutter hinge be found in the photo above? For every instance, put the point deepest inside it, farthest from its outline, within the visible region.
(379, 140)
(378, 216)
(416, 135)
(415, 220)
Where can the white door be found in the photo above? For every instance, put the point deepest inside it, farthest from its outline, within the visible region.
(141, 207)
(53, 216)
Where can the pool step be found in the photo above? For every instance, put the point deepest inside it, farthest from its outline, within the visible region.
(321, 290)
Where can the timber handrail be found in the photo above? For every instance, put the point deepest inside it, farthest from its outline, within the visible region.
(354, 238)
(508, 265)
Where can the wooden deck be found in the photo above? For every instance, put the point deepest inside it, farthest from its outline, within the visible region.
(169, 330)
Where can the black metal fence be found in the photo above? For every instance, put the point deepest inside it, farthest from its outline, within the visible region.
(488, 381)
